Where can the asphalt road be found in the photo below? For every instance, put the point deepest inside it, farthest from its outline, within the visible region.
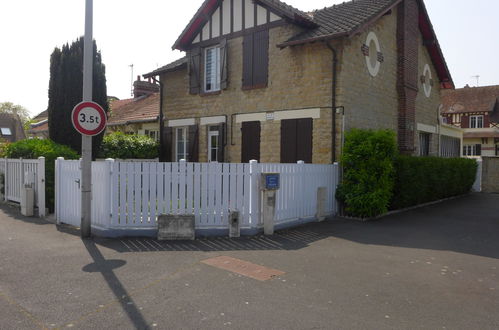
(435, 267)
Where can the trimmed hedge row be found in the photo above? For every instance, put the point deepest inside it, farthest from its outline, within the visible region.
(376, 178)
(421, 180)
(367, 160)
(128, 146)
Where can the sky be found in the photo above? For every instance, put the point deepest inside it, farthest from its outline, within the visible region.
(142, 33)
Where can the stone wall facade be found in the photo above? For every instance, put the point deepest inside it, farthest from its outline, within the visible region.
(299, 78)
(490, 175)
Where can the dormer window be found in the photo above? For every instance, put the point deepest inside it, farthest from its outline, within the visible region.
(212, 69)
(476, 121)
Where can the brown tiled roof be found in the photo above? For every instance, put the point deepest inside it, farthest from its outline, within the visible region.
(115, 104)
(343, 19)
(470, 99)
(168, 68)
(41, 116)
(44, 127)
(142, 109)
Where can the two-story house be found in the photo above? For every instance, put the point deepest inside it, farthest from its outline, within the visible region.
(476, 110)
(263, 80)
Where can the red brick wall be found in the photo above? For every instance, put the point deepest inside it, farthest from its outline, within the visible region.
(407, 73)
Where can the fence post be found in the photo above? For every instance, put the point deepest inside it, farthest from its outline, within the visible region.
(57, 188)
(110, 195)
(5, 180)
(255, 195)
(301, 189)
(21, 174)
(41, 186)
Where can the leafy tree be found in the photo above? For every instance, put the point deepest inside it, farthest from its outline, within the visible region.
(15, 109)
(66, 91)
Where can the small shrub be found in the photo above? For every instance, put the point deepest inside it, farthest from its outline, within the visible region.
(34, 148)
(128, 146)
(425, 179)
(368, 176)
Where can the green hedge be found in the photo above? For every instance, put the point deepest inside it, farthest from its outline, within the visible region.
(368, 172)
(425, 179)
(34, 148)
(128, 146)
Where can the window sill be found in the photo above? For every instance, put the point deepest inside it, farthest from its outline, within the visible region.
(210, 93)
(247, 88)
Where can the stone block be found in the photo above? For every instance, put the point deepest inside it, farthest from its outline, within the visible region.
(176, 227)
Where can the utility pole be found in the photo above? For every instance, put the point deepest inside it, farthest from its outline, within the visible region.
(131, 80)
(86, 141)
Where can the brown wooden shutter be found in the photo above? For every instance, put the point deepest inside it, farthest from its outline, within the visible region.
(224, 64)
(304, 128)
(168, 144)
(465, 121)
(296, 140)
(260, 58)
(221, 143)
(250, 146)
(478, 150)
(486, 120)
(193, 143)
(248, 60)
(288, 141)
(195, 70)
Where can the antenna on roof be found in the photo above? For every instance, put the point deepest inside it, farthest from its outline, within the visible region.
(477, 77)
(131, 80)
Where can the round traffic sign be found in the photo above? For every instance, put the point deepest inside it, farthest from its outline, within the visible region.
(89, 118)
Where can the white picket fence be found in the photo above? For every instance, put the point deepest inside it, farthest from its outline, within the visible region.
(132, 194)
(20, 172)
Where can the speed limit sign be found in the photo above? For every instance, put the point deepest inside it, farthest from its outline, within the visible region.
(89, 118)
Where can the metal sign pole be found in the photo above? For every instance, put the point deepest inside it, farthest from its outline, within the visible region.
(86, 141)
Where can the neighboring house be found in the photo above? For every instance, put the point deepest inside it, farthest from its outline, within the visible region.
(139, 115)
(476, 110)
(39, 128)
(11, 128)
(263, 80)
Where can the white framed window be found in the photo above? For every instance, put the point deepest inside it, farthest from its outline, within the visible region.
(212, 69)
(153, 134)
(213, 146)
(472, 150)
(181, 143)
(476, 121)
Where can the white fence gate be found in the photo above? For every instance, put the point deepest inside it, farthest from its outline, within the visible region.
(131, 195)
(20, 172)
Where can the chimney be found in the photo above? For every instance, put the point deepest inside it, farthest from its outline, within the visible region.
(142, 88)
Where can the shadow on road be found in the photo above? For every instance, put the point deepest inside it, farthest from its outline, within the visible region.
(106, 268)
(468, 224)
(13, 211)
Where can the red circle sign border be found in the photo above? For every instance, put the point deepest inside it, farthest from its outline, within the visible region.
(93, 105)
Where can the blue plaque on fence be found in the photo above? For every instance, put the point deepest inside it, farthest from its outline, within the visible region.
(271, 181)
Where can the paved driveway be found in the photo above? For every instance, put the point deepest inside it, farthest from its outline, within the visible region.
(431, 268)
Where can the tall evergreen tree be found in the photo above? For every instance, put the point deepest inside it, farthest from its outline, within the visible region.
(66, 91)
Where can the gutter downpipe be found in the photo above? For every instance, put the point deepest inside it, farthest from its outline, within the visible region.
(333, 102)
(162, 157)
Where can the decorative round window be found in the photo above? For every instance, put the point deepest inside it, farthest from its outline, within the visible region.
(427, 80)
(372, 53)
